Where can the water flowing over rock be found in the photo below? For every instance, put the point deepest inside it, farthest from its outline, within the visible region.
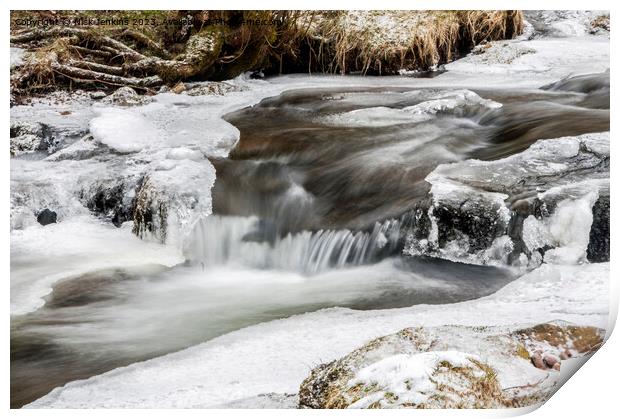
(217, 240)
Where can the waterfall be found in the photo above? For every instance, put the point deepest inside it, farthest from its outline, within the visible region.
(220, 240)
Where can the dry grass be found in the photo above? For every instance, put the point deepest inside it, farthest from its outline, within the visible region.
(384, 42)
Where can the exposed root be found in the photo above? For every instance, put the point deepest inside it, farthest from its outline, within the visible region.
(379, 42)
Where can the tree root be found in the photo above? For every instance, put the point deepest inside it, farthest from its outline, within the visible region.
(86, 56)
(81, 74)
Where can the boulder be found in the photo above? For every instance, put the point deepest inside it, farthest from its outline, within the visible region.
(46, 217)
(449, 367)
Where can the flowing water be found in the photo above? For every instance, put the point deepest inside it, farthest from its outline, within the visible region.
(310, 212)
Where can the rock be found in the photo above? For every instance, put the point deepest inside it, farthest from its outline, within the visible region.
(211, 88)
(97, 95)
(441, 367)
(538, 362)
(126, 96)
(598, 246)
(550, 360)
(46, 217)
(504, 211)
(29, 137)
(178, 88)
(113, 198)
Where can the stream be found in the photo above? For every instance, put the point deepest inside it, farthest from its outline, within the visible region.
(310, 211)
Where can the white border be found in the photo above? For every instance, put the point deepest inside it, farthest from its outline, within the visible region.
(592, 392)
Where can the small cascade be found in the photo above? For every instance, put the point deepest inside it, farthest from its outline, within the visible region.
(219, 240)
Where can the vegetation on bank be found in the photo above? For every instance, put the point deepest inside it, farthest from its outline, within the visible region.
(147, 49)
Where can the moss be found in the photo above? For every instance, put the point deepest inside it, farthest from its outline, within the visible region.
(522, 352)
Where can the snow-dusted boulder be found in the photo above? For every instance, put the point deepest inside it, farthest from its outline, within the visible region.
(450, 367)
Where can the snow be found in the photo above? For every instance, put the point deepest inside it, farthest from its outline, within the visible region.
(16, 56)
(277, 356)
(407, 377)
(123, 130)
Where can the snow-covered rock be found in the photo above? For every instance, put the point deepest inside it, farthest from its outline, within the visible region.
(126, 96)
(532, 205)
(449, 367)
(29, 137)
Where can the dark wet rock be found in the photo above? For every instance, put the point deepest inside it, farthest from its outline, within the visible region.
(46, 217)
(113, 199)
(598, 247)
(30, 137)
(150, 212)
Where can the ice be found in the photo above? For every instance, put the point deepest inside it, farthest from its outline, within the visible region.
(124, 130)
(43, 255)
(458, 103)
(542, 184)
(567, 230)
